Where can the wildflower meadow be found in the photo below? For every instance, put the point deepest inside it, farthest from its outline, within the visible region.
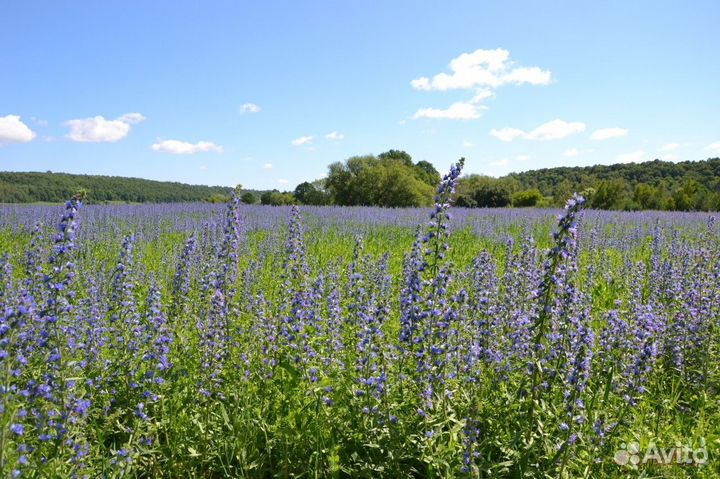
(210, 341)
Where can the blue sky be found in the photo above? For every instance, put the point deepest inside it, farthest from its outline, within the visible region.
(267, 94)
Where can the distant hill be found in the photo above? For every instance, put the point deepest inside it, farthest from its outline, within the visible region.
(56, 187)
(685, 186)
(652, 173)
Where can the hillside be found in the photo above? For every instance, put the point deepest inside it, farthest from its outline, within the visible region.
(56, 187)
(662, 185)
(652, 173)
(686, 185)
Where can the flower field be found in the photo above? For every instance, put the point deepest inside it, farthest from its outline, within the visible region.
(248, 341)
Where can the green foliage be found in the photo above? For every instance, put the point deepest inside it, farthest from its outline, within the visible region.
(308, 194)
(658, 185)
(531, 197)
(484, 192)
(609, 195)
(248, 198)
(276, 198)
(390, 179)
(427, 173)
(398, 155)
(56, 187)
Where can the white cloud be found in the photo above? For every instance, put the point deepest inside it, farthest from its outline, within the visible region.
(99, 129)
(131, 118)
(503, 162)
(553, 130)
(634, 157)
(249, 108)
(669, 147)
(303, 140)
(334, 135)
(203, 167)
(467, 144)
(176, 147)
(571, 152)
(713, 147)
(283, 181)
(456, 111)
(522, 157)
(482, 68)
(607, 133)
(267, 166)
(13, 130)
(507, 134)
(482, 95)
(531, 75)
(39, 122)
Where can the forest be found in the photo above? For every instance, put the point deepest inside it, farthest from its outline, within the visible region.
(31, 187)
(392, 179)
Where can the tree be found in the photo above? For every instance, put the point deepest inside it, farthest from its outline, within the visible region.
(483, 192)
(276, 198)
(248, 198)
(399, 155)
(307, 194)
(427, 173)
(529, 197)
(646, 197)
(387, 180)
(492, 195)
(609, 195)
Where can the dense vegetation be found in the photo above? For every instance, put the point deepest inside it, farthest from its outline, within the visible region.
(391, 179)
(656, 185)
(57, 187)
(178, 341)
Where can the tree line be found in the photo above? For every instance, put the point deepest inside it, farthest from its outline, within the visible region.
(57, 187)
(393, 179)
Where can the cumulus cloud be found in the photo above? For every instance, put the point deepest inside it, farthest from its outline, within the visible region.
(482, 71)
(131, 118)
(507, 134)
(335, 136)
(249, 108)
(481, 96)
(556, 130)
(553, 130)
(607, 133)
(571, 152)
(176, 147)
(503, 162)
(39, 122)
(98, 129)
(482, 68)
(456, 111)
(634, 157)
(467, 144)
(669, 147)
(522, 157)
(267, 166)
(13, 130)
(303, 140)
(713, 147)
(283, 181)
